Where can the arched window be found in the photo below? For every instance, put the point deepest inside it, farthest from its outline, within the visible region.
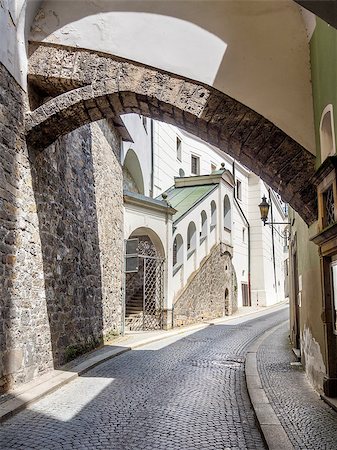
(327, 133)
(191, 237)
(181, 173)
(203, 226)
(213, 215)
(227, 213)
(178, 250)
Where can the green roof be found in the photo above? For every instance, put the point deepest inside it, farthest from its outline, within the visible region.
(183, 199)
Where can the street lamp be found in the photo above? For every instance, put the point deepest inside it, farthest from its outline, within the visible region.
(264, 210)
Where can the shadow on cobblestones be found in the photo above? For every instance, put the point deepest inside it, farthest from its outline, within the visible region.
(180, 393)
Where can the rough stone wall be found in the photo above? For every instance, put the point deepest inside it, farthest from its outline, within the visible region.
(109, 204)
(204, 296)
(78, 190)
(25, 349)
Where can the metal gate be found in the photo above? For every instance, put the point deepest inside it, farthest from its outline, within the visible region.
(144, 286)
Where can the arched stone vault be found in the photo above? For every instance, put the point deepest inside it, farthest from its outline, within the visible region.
(86, 86)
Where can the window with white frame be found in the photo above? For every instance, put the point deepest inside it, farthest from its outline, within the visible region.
(195, 165)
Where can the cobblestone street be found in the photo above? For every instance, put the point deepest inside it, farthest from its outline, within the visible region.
(309, 422)
(185, 392)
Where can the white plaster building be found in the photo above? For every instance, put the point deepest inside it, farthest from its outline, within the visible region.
(209, 200)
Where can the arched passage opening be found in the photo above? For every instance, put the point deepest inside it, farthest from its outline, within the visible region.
(121, 87)
(144, 281)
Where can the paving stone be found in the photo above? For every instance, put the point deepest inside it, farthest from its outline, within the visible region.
(181, 396)
(308, 421)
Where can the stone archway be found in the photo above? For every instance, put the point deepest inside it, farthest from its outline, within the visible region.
(87, 86)
(144, 286)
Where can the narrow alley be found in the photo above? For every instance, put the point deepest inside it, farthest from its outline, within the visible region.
(183, 392)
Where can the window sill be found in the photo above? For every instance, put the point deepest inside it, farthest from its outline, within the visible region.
(227, 229)
(190, 253)
(202, 239)
(177, 268)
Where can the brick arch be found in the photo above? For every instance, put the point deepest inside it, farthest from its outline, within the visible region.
(81, 86)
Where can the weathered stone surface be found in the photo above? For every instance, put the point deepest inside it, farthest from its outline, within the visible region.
(132, 87)
(25, 349)
(60, 246)
(78, 190)
(210, 292)
(109, 204)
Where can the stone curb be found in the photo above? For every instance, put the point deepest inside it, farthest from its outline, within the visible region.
(273, 432)
(331, 401)
(50, 382)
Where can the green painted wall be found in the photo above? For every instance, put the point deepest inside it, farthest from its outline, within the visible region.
(311, 325)
(323, 53)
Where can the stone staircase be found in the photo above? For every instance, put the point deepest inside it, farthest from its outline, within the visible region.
(134, 311)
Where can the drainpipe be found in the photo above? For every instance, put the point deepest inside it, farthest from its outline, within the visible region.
(248, 233)
(272, 238)
(152, 160)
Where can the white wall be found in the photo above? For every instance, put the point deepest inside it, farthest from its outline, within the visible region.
(138, 217)
(141, 145)
(166, 163)
(16, 17)
(265, 291)
(214, 235)
(240, 246)
(166, 167)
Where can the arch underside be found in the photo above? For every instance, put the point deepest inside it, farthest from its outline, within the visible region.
(77, 86)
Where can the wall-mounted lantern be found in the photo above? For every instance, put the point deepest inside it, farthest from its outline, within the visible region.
(264, 210)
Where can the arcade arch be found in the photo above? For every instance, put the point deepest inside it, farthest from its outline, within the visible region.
(132, 173)
(144, 284)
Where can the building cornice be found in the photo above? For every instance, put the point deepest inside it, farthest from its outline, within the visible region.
(161, 206)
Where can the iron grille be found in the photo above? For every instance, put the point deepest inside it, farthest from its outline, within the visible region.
(145, 290)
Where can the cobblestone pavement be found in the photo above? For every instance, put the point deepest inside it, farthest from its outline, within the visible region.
(309, 422)
(186, 392)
